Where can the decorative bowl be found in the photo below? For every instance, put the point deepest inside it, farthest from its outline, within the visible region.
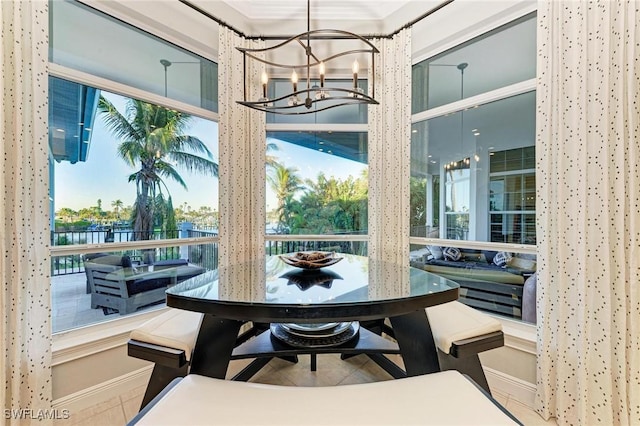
(311, 260)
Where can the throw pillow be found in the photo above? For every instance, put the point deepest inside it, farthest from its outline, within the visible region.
(126, 261)
(451, 253)
(489, 255)
(502, 258)
(436, 252)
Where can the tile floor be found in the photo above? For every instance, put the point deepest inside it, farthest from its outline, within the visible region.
(331, 371)
(71, 305)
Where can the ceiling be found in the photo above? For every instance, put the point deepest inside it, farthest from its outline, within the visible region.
(288, 17)
(364, 10)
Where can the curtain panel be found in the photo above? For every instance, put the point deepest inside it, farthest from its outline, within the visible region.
(588, 147)
(390, 151)
(242, 145)
(25, 301)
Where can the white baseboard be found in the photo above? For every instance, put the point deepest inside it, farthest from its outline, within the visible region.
(517, 389)
(105, 391)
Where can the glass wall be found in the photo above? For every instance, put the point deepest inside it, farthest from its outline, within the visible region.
(123, 169)
(482, 64)
(317, 185)
(473, 170)
(477, 173)
(124, 173)
(87, 40)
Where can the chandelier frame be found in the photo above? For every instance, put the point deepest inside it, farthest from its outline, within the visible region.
(314, 98)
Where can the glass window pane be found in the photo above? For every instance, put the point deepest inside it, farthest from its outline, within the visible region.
(483, 64)
(90, 41)
(90, 168)
(468, 153)
(317, 183)
(110, 185)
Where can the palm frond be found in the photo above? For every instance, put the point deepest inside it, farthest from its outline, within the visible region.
(167, 170)
(118, 124)
(191, 143)
(194, 163)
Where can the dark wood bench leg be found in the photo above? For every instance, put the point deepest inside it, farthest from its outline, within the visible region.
(160, 378)
(469, 365)
(314, 362)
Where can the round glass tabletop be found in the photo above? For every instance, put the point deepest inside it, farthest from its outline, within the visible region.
(277, 292)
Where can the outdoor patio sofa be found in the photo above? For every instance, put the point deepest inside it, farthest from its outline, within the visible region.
(485, 283)
(115, 283)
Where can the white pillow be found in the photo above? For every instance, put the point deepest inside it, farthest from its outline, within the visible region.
(502, 259)
(451, 253)
(436, 252)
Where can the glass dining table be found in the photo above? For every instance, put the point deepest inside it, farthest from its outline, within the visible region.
(325, 310)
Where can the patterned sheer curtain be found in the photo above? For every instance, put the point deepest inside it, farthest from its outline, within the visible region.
(390, 151)
(242, 158)
(25, 324)
(588, 151)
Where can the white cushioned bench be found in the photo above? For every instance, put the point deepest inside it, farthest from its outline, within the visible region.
(168, 341)
(433, 399)
(460, 333)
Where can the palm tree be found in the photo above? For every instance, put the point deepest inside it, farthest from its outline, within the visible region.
(284, 181)
(151, 139)
(117, 205)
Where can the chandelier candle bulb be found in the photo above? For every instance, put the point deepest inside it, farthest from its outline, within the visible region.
(356, 68)
(265, 80)
(322, 71)
(294, 80)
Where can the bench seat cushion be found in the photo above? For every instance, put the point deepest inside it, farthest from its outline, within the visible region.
(175, 328)
(432, 399)
(455, 321)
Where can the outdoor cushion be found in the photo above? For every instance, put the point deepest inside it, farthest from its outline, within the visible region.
(145, 284)
(175, 328)
(455, 321)
(168, 263)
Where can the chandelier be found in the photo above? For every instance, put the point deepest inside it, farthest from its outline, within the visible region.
(308, 75)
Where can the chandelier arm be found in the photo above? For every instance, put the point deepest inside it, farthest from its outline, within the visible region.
(314, 35)
(279, 110)
(337, 55)
(356, 97)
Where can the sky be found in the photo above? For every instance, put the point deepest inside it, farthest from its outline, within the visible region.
(105, 175)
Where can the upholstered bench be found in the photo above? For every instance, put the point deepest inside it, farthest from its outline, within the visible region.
(433, 399)
(460, 333)
(168, 341)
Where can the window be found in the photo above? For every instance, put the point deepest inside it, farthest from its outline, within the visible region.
(111, 186)
(457, 200)
(123, 169)
(512, 196)
(473, 168)
(89, 41)
(317, 185)
(482, 64)
(495, 144)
